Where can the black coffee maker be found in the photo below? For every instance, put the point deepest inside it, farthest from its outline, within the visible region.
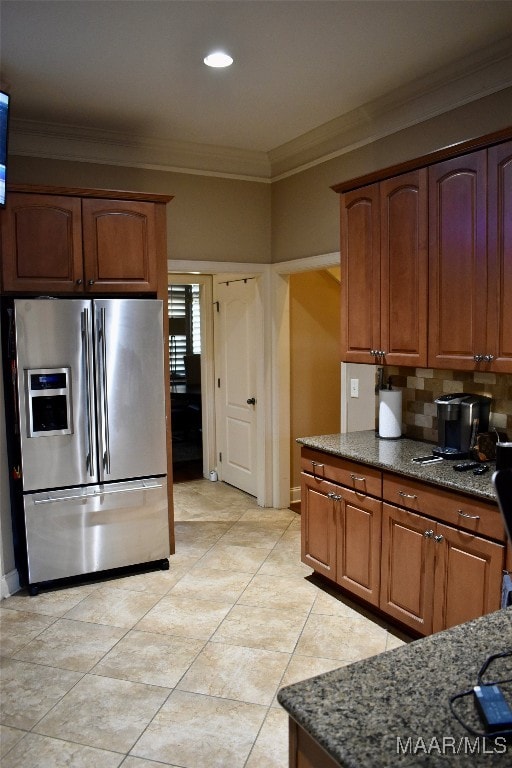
(460, 418)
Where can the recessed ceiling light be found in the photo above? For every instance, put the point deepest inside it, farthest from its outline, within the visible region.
(218, 59)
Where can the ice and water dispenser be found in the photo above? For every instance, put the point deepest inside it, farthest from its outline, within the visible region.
(48, 398)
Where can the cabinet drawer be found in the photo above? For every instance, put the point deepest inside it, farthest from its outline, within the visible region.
(462, 511)
(359, 477)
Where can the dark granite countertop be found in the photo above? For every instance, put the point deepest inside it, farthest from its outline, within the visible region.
(396, 456)
(393, 709)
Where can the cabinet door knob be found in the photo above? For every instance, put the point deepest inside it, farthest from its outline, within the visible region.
(439, 538)
(478, 358)
(488, 358)
(90, 282)
(79, 281)
(429, 534)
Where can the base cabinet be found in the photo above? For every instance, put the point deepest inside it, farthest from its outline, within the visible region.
(435, 576)
(467, 577)
(404, 560)
(407, 568)
(304, 751)
(341, 536)
(318, 525)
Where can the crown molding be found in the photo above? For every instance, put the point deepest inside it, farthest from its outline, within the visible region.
(88, 145)
(483, 73)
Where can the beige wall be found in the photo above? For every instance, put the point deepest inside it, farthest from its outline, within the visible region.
(305, 213)
(210, 219)
(314, 359)
(217, 219)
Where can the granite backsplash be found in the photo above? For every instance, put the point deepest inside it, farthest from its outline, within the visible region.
(421, 386)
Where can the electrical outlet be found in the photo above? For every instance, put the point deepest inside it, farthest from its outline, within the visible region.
(354, 387)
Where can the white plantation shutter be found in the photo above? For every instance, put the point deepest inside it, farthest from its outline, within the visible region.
(184, 326)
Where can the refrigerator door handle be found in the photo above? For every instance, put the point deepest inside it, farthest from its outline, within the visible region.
(104, 390)
(86, 342)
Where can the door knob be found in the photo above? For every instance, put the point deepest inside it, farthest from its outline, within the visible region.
(251, 401)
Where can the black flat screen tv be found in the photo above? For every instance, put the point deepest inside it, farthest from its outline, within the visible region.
(4, 121)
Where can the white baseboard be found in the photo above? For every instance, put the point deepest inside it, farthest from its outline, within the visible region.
(9, 584)
(295, 495)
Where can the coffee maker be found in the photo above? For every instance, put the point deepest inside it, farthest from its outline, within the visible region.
(460, 418)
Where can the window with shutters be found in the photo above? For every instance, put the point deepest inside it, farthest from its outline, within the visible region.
(184, 327)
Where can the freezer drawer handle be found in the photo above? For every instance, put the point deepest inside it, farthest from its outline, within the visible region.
(143, 487)
(87, 353)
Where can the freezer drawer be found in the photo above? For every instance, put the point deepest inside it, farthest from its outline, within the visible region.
(76, 531)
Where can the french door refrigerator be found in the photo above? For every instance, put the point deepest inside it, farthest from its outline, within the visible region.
(89, 407)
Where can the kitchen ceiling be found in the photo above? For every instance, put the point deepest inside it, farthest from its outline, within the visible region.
(134, 68)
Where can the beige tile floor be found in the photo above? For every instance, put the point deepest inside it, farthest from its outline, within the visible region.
(177, 668)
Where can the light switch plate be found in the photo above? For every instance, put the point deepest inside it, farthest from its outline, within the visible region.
(354, 387)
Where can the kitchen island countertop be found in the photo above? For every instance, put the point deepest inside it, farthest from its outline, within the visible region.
(396, 456)
(393, 709)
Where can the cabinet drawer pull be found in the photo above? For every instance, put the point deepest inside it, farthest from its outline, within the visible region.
(315, 464)
(358, 479)
(469, 517)
(407, 495)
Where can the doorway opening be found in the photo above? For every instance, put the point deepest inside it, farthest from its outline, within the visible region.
(183, 304)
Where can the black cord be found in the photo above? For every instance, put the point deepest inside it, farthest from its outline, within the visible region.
(463, 694)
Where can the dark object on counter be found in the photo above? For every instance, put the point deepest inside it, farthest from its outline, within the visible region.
(502, 481)
(427, 459)
(466, 466)
(459, 419)
(503, 455)
(481, 470)
(484, 447)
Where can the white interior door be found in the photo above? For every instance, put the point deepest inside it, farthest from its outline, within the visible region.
(237, 340)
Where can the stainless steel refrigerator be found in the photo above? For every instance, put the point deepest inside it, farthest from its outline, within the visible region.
(89, 409)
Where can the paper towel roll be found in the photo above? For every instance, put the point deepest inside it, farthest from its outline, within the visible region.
(390, 413)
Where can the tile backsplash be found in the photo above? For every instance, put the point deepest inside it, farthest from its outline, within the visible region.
(421, 386)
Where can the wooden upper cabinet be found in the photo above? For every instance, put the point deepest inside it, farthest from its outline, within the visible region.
(67, 240)
(458, 261)
(119, 246)
(384, 236)
(41, 243)
(404, 269)
(360, 274)
(499, 311)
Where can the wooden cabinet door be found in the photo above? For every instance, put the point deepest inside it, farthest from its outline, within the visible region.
(42, 244)
(407, 568)
(458, 261)
(404, 268)
(360, 274)
(318, 525)
(499, 341)
(358, 545)
(468, 573)
(119, 246)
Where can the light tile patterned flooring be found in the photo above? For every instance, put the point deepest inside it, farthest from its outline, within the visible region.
(178, 667)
